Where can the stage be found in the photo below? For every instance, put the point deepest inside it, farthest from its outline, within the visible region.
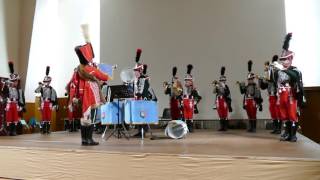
(204, 154)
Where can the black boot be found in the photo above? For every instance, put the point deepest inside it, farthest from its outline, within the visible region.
(254, 125)
(286, 135)
(48, 128)
(9, 129)
(43, 129)
(89, 133)
(84, 140)
(250, 126)
(221, 125)
(66, 125)
(294, 132)
(12, 130)
(138, 134)
(274, 126)
(71, 125)
(226, 124)
(279, 125)
(74, 126)
(190, 125)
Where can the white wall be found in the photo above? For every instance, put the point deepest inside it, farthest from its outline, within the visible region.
(56, 31)
(4, 72)
(9, 34)
(16, 18)
(303, 20)
(205, 33)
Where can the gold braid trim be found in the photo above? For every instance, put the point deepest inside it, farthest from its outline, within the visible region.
(84, 75)
(89, 77)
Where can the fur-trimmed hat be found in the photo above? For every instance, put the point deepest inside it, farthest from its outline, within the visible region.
(85, 52)
(222, 72)
(250, 74)
(13, 76)
(47, 78)
(286, 53)
(188, 76)
(138, 66)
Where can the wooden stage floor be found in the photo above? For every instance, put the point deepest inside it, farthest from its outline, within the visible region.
(204, 154)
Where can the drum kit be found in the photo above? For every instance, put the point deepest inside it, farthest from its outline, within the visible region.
(127, 111)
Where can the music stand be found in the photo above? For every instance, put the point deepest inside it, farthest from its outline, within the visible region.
(119, 92)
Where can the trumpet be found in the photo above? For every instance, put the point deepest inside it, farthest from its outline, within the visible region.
(215, 82)
(276, 65)
(41, 84)
(165, 84)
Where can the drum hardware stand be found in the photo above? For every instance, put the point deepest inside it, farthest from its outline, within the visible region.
(149, 129)
(119, 129)
(119, 91)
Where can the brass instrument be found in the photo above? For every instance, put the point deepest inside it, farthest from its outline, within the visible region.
(215, 82)
(177, 89)
(165, 84)
(276, 66)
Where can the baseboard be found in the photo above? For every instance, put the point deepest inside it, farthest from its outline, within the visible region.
(215, 123)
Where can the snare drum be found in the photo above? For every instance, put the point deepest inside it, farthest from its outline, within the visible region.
(141, 112)
(112, 112)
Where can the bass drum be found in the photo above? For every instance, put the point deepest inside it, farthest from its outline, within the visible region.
(176, 129)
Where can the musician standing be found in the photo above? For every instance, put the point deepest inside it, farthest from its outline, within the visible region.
(268, 82)
(223, 99)
(191, 98)
(252, 98)
(74, 104)
(48, 101)
(175, 91)
(15, 102)
(141, 87)
(91, 78)
(290, 92)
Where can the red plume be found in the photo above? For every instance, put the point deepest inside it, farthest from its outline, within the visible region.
(138, 54)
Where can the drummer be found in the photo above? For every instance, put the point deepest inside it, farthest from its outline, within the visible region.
(141, 88)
